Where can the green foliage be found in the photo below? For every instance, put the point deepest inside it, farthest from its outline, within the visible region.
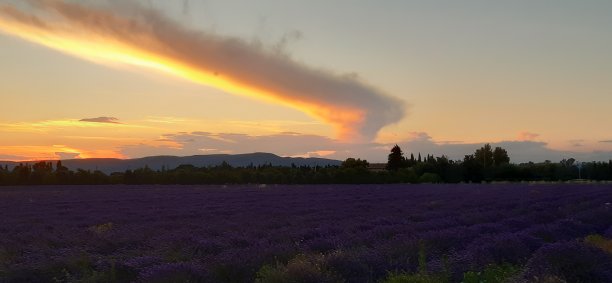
(492, 274)
(407, 175)
(430, 178)
(81, 269)
(422, 258)
(355, 163)
(599, 242)
(422, 276)
(101, 228)
(415, 278)
(300, 269)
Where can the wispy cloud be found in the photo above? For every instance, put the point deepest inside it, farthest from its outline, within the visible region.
(109, 120)
(290, 144)
(67, 155)
(285, 144)
(296, 144)
(51, 125)
(527, 136)
(128, 33)
(318, 153)
(577, 142)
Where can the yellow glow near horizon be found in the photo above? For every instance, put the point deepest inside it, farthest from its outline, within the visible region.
(48, 125)
(33, 152)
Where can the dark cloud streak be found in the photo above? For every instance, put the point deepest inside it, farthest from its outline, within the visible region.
(109, 120)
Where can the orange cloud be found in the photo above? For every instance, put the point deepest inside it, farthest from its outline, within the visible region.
(142, 37)
(527, 136)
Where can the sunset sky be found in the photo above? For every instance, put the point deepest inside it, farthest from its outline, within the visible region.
(336, 79)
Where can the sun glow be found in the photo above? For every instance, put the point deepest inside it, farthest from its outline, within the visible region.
(54, 152)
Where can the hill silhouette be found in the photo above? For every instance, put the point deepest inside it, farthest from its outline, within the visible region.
(110, 165)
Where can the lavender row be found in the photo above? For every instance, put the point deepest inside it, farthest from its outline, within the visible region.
(359, 233)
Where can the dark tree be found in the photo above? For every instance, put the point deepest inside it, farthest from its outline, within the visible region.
(60, 168)
(42, 168)
(355, 163)
(430, 159)
(568, 163)
(411, 161)
(484, 156)
(41, 172)
(62, 173)
(472, 169)
(22, 173)
(500, 156)
(396, 158)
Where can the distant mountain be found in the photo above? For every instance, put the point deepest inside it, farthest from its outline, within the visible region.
(109, 165)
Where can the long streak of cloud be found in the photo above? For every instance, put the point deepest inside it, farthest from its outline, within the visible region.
(136, 35)
(109, 120)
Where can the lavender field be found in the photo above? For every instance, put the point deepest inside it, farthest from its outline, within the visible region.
(323, 233)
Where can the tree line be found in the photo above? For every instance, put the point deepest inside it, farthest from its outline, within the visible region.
(486, 164)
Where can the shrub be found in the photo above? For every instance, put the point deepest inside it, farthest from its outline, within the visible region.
(300, 269)
(101, 228)
(356, 266)
(422, 276)
(173, 273)
(492, 274)
(415, 278)
(599, 242)
(430, 178)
